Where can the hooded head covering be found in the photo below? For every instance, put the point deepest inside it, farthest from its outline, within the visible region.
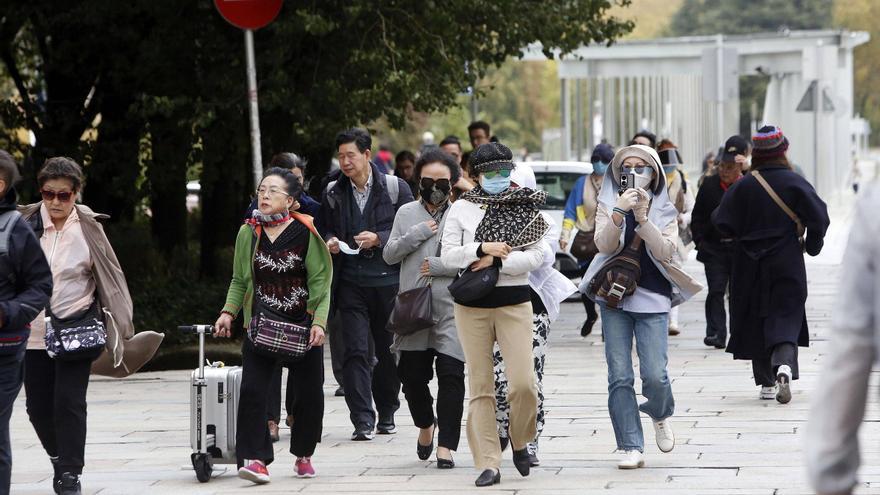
(649, 155)
(524, 176)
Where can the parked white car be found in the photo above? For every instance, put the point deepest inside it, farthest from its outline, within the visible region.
(558, 178)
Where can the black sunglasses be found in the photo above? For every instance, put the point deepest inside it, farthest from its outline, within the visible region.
(428, 182)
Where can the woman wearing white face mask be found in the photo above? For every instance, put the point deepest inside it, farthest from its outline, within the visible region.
(580, 215)
(636, 223)
(498, 229)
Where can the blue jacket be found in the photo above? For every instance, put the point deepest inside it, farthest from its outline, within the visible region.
(25, 282)
(575, 201)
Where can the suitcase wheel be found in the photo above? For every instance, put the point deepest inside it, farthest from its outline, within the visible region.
(202, 466)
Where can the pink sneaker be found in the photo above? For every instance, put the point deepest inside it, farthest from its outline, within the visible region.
(255, 471)
(304, 468)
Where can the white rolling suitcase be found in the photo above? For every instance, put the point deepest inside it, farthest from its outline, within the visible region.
(213, 410)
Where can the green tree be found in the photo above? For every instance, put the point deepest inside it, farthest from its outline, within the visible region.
(861, 15)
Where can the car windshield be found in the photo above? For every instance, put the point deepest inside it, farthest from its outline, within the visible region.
(558, 186)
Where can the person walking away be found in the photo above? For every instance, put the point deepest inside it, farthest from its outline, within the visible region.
(683, 199)
(838, 404)
(357, 213)
(766, 213)
(281, 280)
(415, 244)
(636, 220)
(497, 228)
(25, 289)
(548, 289)
(714, 250)
(580, 214)
(88, 285)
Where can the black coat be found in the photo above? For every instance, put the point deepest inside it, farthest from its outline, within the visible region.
(335, 217)
(706, 237)
(25, 282)
(768, 283)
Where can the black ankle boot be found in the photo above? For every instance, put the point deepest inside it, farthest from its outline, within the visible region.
(56, 476)
(522, 461)
(587, 328)
(70, 484)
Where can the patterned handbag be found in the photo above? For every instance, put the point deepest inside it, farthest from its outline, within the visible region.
(278, 338)
(80, 337)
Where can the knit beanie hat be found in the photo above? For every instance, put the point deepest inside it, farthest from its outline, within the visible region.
(769, 142)
(491, 156)
(603, 152)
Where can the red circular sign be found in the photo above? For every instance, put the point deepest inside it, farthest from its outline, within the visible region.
(248, 14)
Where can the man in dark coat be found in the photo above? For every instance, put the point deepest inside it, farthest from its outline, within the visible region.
(768, 286)
(25, 289)
(357, 213)
(714, 250)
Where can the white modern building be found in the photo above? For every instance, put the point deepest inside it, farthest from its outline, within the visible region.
(687, 89)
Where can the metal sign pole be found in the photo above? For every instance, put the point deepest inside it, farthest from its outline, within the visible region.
(256, 150)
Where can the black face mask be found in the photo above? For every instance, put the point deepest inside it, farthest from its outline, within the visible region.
(434, 192)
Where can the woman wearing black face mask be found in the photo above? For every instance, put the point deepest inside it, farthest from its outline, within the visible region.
(415, 244)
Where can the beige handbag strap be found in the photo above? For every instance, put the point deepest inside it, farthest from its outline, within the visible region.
(776, 199)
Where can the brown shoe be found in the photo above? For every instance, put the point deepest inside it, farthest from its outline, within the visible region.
(673, 330)
(274, 432)
(289, 420)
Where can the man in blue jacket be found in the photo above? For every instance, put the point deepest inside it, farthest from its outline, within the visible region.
(25, 289)
(357, 212)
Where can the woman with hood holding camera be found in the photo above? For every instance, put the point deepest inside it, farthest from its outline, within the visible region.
(636, 280)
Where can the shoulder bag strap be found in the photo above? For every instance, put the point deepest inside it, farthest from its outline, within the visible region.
(776, 199)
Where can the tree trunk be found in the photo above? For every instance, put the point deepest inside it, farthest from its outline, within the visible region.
(171, 142)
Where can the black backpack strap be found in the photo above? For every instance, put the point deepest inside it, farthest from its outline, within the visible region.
(7, 223)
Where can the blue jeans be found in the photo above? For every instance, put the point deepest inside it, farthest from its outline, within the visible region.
(11, 376)
(650, 331)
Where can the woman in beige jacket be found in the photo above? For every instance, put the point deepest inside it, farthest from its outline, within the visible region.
(87, 280)
(641, 209)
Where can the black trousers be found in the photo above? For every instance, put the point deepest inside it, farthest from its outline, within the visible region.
(765, 369)
(56, 405)
(274, 411)
(364, 312)
(11, 376)
(718, 268)
(252, 439)
(337, 349)
(416, 369)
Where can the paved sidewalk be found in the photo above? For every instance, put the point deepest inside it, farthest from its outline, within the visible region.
(728, 442)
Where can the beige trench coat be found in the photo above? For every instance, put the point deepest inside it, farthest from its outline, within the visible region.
(125, 352)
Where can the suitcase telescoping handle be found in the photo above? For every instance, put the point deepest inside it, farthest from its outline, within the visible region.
(201, 330)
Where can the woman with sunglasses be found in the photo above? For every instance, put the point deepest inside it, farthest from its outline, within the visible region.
(635, 213)
(415, 244)
(87, 281)
(498, 226)
(280, 277)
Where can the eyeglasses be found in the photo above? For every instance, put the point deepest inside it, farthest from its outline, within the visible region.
(428, 183)
(491, 174)
(637, 168)
(272, 191)
(63, 196)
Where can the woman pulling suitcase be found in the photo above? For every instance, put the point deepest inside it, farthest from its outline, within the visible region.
(281, 279)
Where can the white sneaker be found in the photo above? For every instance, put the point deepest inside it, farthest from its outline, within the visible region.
(632, 459)
(664, 435)
(768, 393)
(783, 382)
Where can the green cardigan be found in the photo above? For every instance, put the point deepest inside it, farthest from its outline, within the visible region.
(319, 274)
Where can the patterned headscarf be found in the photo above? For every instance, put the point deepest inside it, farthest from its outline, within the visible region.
(511, 216)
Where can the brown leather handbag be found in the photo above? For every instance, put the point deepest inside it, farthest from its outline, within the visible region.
(583, 246)
(619, 277)
(412, 311)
